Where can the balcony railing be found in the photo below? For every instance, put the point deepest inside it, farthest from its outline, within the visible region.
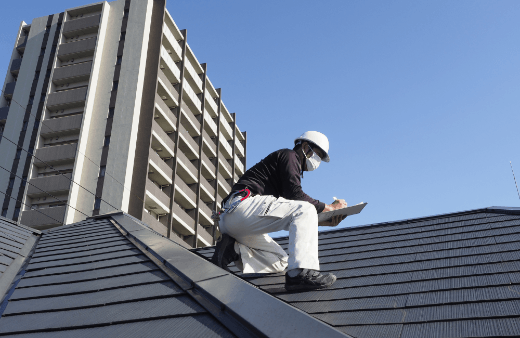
(62, 126)
(67, 99)
(54, 155)
(4, 111)
(81, 26)
(161, 142)
(239, 166)
(208, 168)
(166, 91)
(43, 218)
(170, 69)
(188, 146)
(182, 222)
(189, 121)
(225, 187)
(72, 73)
(156, 199)
(9, 89)
(193, 101)
(56, 184)
(185, 169)
(207, 191)
(225, 147)
(15, 66)
(193, 74)
(184, 196)
(211, 125)
(164, 116)
(209, 144)
(239, 147)
(76, 49)
(228, 132)
(172, 41)
(213, 109)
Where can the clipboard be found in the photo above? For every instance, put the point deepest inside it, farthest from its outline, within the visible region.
(352, 210)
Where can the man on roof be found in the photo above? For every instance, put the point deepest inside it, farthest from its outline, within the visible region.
(269, 198)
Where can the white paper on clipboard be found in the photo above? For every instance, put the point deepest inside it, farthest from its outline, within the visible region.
(355, 209)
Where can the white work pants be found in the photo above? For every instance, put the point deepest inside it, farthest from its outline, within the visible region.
(257, 216)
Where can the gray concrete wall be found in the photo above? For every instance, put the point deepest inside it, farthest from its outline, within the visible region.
(77, 49)
(55, 155)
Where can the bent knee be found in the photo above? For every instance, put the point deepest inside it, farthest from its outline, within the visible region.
(308, 210)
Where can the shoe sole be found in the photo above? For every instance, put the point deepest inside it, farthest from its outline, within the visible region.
(218, 260)
(294, 287)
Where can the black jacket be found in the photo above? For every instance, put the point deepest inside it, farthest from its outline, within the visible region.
(277, 175)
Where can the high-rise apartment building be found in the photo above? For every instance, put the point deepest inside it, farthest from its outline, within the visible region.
(120, 115)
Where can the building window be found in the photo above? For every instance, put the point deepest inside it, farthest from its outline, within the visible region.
(119, 60)
(11, 183)
(48, 73)
(36, 124)
(107, 141)
(53, 49)
(24, 127)
(42, 98)
(24, 181)
(102, 170)
(31, 99)
(18, 154)
(4, 212)
(42, 52)
(122, 37)
(16, 212)
(30, 151)
(125, 13)
(115, 84)
(111, 112)
(97, 203)
(36, 74)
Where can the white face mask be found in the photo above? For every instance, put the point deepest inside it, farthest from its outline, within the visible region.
(313, 162)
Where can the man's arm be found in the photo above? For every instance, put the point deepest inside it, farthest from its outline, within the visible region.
(334, 221)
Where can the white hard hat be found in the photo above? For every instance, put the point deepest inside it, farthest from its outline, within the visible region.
(318, 139)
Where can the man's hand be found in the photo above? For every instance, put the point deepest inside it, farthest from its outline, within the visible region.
(337, 204)
(334, 221)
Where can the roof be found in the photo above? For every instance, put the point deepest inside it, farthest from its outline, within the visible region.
(16, 243)
(113, 276)
(452, 275)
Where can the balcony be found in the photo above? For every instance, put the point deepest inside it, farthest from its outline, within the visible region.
(57, 184)
(161, 142)
(22, 42)
(209, 144)
(169, 67)
(67, 99)
(225, 147)
(204, 237)
(209, 124)
(211, 104)
(205, 215)
(225, 188)
(184, 196)
(9, 89)
(171, 43)
(191, 99)
(182, 223)
(224, 168)
(156, 199)
(15, 66)
(81, 26)
(190, 122)
(226, 129)
(239, 148)
(77, 49)
(154, 224)
(188, 146)
(207, 192)
(195, 79)
(68, 125)
(185, 169)
(4, 111)
(164, 116)
(208, 168)
(166, 91)
(239, 166)
(55, 155)
(72, 73)
(158, 170)
(43, 218)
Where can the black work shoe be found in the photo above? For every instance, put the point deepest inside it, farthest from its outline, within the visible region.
(308, 280)
(225, 253)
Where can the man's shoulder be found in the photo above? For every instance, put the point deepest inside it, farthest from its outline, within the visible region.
(284, 152)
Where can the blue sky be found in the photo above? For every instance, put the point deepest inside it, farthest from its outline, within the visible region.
(420, 99)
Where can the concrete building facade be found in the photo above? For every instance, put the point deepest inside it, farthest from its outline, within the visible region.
(119, 115)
